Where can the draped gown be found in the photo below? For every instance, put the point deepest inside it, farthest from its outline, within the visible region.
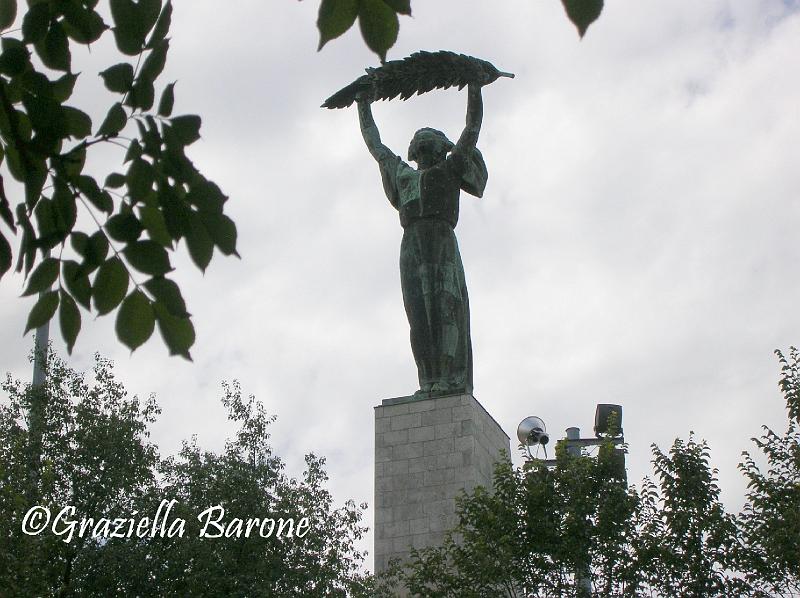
(431, 272)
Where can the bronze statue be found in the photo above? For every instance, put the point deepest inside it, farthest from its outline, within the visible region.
(427, 199)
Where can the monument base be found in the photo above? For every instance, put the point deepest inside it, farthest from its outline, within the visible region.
(427, 450)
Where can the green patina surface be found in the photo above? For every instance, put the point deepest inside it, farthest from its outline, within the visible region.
(431, 273)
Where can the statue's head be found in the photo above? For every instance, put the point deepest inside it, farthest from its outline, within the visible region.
(429, 147)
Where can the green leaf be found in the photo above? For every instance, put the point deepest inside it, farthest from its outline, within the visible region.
(77, 282)
(42, 277)
(79, 125)
(178, 333)
(126, 43)
(140, 177)
(167, 100)
(65, 210)
(583, 13)
(168, 294)
(36, 83)
(142, 95)
(150, 136)
(46, 223)
(27, 247)
(5, 255)
(154, 63)
(401, 6)
(35, 178)
(222, 230)
(115, 180)
(134, 151)
(100, 199)
(8, 13)
(63, 86)
(15, 57)
(199, 241)
(48, 120)
(126, 31)
(124, 228)
(133, 22)
(82, 24)
(69, 319)
(153, 221)
(73, 162)
(79, 241)
(334, 18)
(176, 212)
(43, 310)
(379, 26)
(35, 23)
(110, 285)
(186, 128)
(135, 320)
(118, 78)
(114, 122)
(96, 252)
(148, 14)
(176, 164)
(161, 29)
(54, 49)
(206, 196)
(5, 208)
(148, 257)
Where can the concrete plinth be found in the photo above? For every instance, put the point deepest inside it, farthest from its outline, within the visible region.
(426, 452)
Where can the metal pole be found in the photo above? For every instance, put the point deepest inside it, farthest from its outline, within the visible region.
(40, 346)
(40, 354)
(583, 582)
(38, 401)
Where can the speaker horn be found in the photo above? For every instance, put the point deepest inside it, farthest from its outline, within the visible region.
(532, 431)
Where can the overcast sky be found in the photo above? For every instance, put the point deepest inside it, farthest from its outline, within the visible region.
(636, 243)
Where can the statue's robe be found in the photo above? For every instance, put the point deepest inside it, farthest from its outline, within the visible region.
(431, 272)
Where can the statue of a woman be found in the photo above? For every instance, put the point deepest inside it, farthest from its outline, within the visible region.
(431, 273)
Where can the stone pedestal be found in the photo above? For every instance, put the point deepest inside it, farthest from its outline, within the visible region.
(426, 452)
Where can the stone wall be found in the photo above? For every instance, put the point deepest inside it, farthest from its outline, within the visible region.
(426, 452)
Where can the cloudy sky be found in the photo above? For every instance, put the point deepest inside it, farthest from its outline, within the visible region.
(636, 243)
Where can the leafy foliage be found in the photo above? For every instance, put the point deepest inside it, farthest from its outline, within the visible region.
(534, 531)
(138, 216)
(73, 442)
(379, 23)
(91, 450)
(541, 528)
(771, 517)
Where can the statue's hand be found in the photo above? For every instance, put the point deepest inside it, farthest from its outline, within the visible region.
(366, 95)
(482, 79)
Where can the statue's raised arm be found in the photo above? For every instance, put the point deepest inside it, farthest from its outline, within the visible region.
(369, 130)
(469, 137)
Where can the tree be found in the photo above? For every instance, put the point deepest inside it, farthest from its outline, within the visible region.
(380, 25)
(96, 457)
(687, 544)
(541, 529)
(92, 453)
(770, 519)
(136, 217)
(534, 532)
